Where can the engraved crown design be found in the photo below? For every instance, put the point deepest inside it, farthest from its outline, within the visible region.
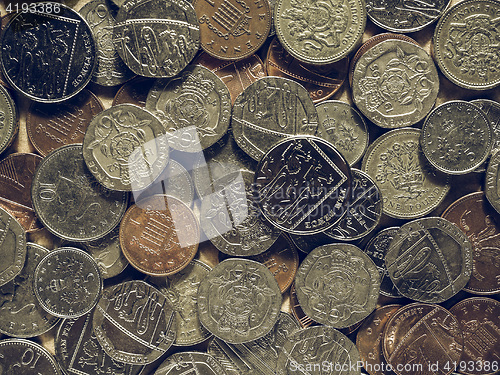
(195, 83)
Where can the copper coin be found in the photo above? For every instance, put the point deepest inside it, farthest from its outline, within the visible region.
(369, 340)
(478, 319)
(475, 217)
(282, 260)
(297, 311)
(320, 81)
(423, 339)
(51, 126)
(159, 235)
(237, 75)
(134, 91)
(16, 174)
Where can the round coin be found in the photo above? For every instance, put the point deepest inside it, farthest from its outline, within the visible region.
(491, 109)
(24, 357)
(297, 311)
(239, 301)
(337, 285)
(9, 126)
(12, 247)
(67, 282)
(48, 53)
(190, 362)
(429, 260)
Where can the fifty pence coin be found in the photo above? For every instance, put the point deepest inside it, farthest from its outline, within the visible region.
(67, 282)
(25, 357)
(12, 247)
(9, 126)
(190, 362)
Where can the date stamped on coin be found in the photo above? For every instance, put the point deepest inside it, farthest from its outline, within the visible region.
(29, 7)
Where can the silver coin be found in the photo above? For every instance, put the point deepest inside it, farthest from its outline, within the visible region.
(190, 363)
(24, 357)
(9, 125)
(12, 247)
(491, 109)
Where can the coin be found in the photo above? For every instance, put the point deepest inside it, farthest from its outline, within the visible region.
(307, 243)
(190, 362)
(319, 33)
(239, 301)
(9, 126)
(270, 110)
(492, 111)
(478, 319)
(48, 54)
(20, 313)
(24, 357)
(12, 247)
(492, 189)
(126, 148)
(395, 84)
(429, 260)
(410, 187)
(156, 38)
(344, 127)
(303, 185)
(232, 30)
(474, 66)
(195, 107)
(134, 323)
(16, 174)
(67, 282)
(51, 126)
(134, 91)
(456, 137)
(69, 202)
(477, 220)
(337, 285)
(427, 332)
(297, 311)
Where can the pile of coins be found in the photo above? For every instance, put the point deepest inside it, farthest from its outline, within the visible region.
(179, 192)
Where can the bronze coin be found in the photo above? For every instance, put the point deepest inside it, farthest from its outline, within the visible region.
(475, 217)
(422, 339)
(51, 126)
(159, 235)
(134, 91)
(16, 174)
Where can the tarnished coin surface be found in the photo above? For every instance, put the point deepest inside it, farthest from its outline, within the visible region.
(337, 285)
(429, 259)
(9, 126)
(20, 312)
(12, 247)
(68, 200)
(303, 185)
(126, 147)
(48, 54)
(24, 357)
(67, 282)
(239, 301)
(134, 323)
(395, 84)
(195, 107)
(456, 137)
(474, 66)
(190, 362)
(491, 109)
(410, 187)
(269, 111)
(156, 38)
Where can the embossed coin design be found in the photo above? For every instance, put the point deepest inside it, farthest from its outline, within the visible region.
(134, 323)
(465, 46)
(68, 200)
(48, 57)
(159, 235)
(239, 301)
(492, 183)
(303, 185)
(190, 362)
(156, 38)
(410, 187)
(126, 148)
(297, 311)
(24, 357)
(269, 111)
(491, 109)
(9, 126)
(429, 260)
(456, 137)
(12, 247)
(395, 84)
(337, 285)
(195, 107)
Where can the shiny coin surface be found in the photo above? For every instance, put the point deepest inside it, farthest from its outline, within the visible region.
(190, 362)
(156, 38)
(239, 301)
(462, 62)
(429, 260)
(337, 285)
(395, 84)
(195, 108)
(68, 200)
(456, 137)
(48, 55)
(491, 109)
(134, 323)
(12, 247)
(24, 357)
(269, 111)
(410, 187)
(159, 235)
(9, 126)
(67, 282)
(126, 148)
(303, 185)
(20, 312)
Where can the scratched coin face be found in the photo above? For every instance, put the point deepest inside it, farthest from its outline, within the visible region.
(24, 357)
